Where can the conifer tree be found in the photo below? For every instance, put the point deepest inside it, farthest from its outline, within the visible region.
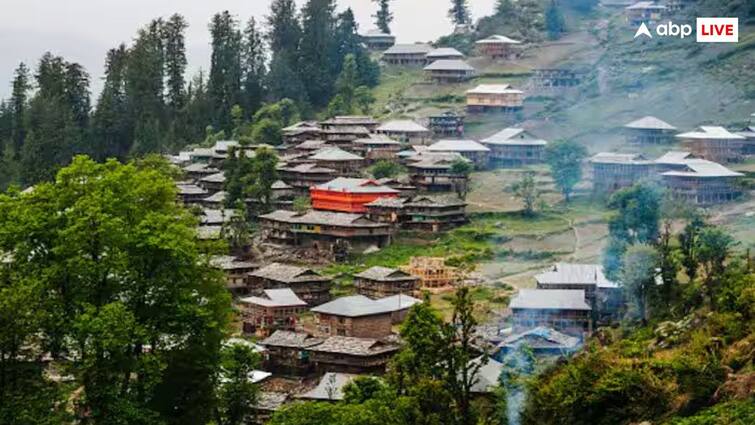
(225, 69)
(348, 41)
(175, 61)
(111, 125)
(18, 106)
(318, 24)
(283, 37)
(459, 12)
(253, 68)
(383, 16)
(554, 20)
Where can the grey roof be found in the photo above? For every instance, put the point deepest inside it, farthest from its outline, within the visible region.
(327, 218)
(493, 89)
(200, 167)
(457, 146)
(301, 126)
(359, 305)
(386, 202)
(229, 262)
(309, 169)
(374, 33)
(398, 302)
(355, 185)
(674, 158)
(642, 5)
(355, 346)
(384, 274)
(287, 274)
(435, 201)
(217, 197)
(442, 52)
(402, 126)
(710, 132)
(214, 178)
(703, 168)
(204, 153)
(209, 232)
(312, 145)
(513, 136)
(564, 273)
(348, 129)
(409, 49)
(291, 339)
(350, 120)
(550, 299)
(213, 216)
(334, 154)
(190, 189)
(376, 139)
(284, 297)
(650, 123)
(541, 337)
(330, 387)
(280, 185)
(270, 401)
(498, 39)
(488, 376)
(449, 65)
(225, 145)
(619, 158)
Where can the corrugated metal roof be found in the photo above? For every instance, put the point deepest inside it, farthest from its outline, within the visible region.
(550, 299)
(650, 123)
(563, 273)
(710, 132)
(450, 65)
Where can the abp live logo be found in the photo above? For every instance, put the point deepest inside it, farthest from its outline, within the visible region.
(717, 30)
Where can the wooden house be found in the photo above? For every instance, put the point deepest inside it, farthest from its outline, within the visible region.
(407, 54)
(444, 53)
(749, 142)
(330, 388)
(344, 136)
(196, 171)
(344, 163)
(401, 184)
(405, 131)
(648, 12)
(494, 97)
(355, 316)
(377, 147)
(309, 147)
(379, 282)
(266, 404)
(449, 71)
(349, 195)
(289, 352)
(614, 171)
(562, 309)
(498, 47)
(447, 124)
(353, 355)
(215, 201)
(433, 273)
(303, 176)
(325, 231)
(703, 182)
(306, 283)
(350, 121)
(649, 130)
(190, 194)
(433, 213)
(515, 147)
(213, 183)
(300, 132)
(274, 309)
(714, 144)
(378, 41)
(469, 149)
(601, 294)
(434, 172)
(235, 271)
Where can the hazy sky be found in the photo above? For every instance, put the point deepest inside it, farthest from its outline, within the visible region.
(83, 30)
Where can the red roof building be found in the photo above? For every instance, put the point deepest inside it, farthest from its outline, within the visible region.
(349, 194)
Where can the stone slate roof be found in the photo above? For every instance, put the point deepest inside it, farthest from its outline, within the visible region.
(225, 145)
(493, 89)
(650, 123)
(270, 401)
(438, 201)
(326, 218)
(450, 65)
(228, 262)
(334, 154)
(312, 145)
(541, 337)
(674, 158)
(209, 232)
(710, 132)
(214, 178)
(550, 299)
(309, 169)
(488, 376)
(217, 197)
(330, 387)
(376, 139)
(190, 189)
(704, 169)
(200, 168)
(213, 216)
(513, 136)
(288, 274)
(290, 339)
(385, 274)
(280, 185)
(409, 49)
(498, 39)
(349, 120)
(284, 297)
(385, 202)
(563, 273)
(457, 146)
(348, 129)
(619, 158)
(402, 126)
(353, 346)
(359, 305)
(355, 185)
(442, 52)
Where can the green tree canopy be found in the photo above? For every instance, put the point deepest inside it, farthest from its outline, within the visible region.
(564, 157)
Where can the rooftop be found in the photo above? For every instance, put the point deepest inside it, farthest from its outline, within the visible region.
(384, 274)
(563, 273)
(287, 273)
(449, 65)
(710, 132)
(355, 346)
(327, 218)
(674, 157)
(498, 39)
(228, 262)
(217, 197)
(650, 123)
(402, 126)
(409, 49)
(334, 154)
(541, 337)
(355, 185)
(641, 5)
(445, 52)
(190, 189)
(359, 305)
(214, 178)
(488, 376)
(494, 89)
(550, 299)
(457, 146)
(513, 136)
(350, 120)
(386, 202)
(291, 339)
(330, 387)
(270, 401)
(619, 158)
(703, 168)
(276, 298)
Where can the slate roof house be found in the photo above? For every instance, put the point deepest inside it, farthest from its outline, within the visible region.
(235, 271)
(378, 282)
(448, 124)
(303, 176)
(407, 54)
(444, 53)
(329, 388)
(350, 121)
(649, 130)
(300, 132)
(306, 283)
(562, 309)
(614, 171)
(288, 352)
(498, 47)
(377, 40)
(433, 213)
(541, 340)
(469, 149)
(488, 377)
(377, 147)
(515, 147)
(275, 309)
(348, 194)
(324, 230)
(648, 12)
(190, 194)
(344, 163)
(604, 296)
(406, 131)
(449, 71)
(353, 355)
(494, 97)
(714, 144)
(267, 403)
(360, 316)
(433, 172)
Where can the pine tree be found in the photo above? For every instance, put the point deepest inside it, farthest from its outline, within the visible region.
(554, 20)
(459, 12)
(383, 17)
(253, 68)
(225, 68)
(111, 124)
(175, 61)
(318, 24)
(19, 104)
(347, 41)
(284, 36)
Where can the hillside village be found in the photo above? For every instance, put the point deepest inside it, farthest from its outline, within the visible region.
(492, 169)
